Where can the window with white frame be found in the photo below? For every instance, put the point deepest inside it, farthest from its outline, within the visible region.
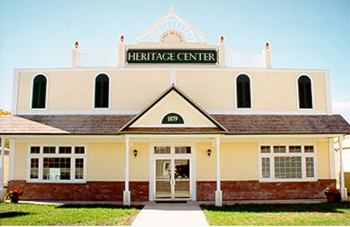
(287, 162)
(57, 163)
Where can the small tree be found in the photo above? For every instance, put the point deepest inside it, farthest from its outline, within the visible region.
(3, 112)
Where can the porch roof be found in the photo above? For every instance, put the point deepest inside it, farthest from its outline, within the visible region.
(111, 125)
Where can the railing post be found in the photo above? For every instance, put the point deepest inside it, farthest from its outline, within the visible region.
(121, 62)
(267, 56)
(76, 55)
(221, 52)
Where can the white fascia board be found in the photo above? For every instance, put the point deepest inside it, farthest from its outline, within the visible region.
(140, 68)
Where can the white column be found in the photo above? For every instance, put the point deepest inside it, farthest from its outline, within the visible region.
(126, 194)
(218, 192)
(343, 190)
(2, 168)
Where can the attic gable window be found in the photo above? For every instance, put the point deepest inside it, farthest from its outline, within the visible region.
(243, 91)
(101, 91)
(39, 92)
(305, 92)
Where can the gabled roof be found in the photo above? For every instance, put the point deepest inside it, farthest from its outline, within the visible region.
(112, 124)
(175, 89)
(171, 21)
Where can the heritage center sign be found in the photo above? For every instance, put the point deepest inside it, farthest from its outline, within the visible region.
(178, 56)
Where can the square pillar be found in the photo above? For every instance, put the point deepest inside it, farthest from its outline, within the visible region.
(343, 189)
(126, 193)
(218, 192)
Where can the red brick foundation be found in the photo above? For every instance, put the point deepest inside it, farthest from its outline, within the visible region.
(90, 191)
(113, 191)
(251, 190)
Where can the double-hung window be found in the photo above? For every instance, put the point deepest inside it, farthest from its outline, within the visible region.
(287, 162)
(57, 163)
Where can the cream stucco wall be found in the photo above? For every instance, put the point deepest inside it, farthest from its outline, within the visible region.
(271, 91)
(21, 153)
(322, 160)
(6, 167)
(74, 90)
(139, 165)
(132, 90)
(173, 103)
(205, 165)
(106, 162)
(239, 161)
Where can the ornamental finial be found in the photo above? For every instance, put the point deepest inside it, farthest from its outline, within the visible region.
(221, 39)
(76, 45)
(122, 38)
(266, 46)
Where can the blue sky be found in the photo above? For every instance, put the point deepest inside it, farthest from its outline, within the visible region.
(305, 34)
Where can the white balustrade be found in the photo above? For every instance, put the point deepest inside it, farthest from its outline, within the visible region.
(106, 58)
(235, 59)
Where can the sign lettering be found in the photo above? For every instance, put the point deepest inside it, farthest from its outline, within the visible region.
(172, 56)
(172, 118)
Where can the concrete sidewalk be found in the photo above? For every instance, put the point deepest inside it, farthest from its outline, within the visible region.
(171, 214)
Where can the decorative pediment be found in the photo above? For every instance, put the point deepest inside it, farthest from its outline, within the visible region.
(173, 109)
(171, 28)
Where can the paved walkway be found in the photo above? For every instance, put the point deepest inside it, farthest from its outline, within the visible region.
(171, 214)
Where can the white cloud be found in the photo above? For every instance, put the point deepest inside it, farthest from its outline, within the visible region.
(341, 105)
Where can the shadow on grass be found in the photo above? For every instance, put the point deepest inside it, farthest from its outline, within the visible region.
(13, 214)
(279, 208)
(109, 206)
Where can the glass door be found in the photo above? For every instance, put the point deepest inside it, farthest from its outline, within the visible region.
(172, 176)
(163, 179)
(182, 179)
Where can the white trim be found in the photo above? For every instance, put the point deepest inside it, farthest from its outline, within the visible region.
(272, 155)
(47, 93)
(116, 69)
(41, 157)
(134, 112)
(328, 92)
(98, 111)
(12, 160)
(257, 112)
(172, 156)
(251, 92)
(172, 77)
(312, 93)
(109, 92)
(15, 92)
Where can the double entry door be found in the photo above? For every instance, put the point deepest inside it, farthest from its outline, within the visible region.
(173, 174)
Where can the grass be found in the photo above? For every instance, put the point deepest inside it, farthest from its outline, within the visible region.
(279, 214)
(33, 214)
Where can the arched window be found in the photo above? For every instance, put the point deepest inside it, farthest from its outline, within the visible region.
(305, 93)
(39, 92)
(243, 91)
(101, 91)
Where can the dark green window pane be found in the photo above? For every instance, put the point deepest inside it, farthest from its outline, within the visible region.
(39, 92)
(305, 96)
(243, 91)
(101, 91)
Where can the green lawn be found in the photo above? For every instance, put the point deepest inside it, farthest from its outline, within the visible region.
(279, 214)
(32, 214)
